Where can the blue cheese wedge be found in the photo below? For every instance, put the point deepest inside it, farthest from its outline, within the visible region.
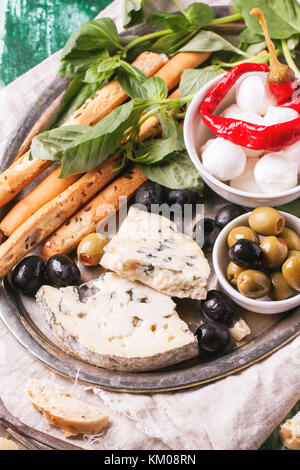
(114, 323)
(149, 248)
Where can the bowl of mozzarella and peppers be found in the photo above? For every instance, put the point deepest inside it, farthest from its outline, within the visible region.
(242, 132)
(247, 114)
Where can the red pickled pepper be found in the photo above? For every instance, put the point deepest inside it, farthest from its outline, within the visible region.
(270, 138)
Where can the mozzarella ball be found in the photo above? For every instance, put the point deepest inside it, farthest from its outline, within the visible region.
(246, 181)
(278, 115)
(223, 159)
(253, 118)
(206, 145)
(292, 153)
(232, 111)
(253, 94)
(274, 173)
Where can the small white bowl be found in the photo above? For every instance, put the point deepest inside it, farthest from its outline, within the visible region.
(196, 133)
(221, 260)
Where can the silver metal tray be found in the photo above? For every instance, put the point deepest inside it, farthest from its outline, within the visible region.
(21, 315)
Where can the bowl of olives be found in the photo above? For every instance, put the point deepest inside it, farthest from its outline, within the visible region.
(256, 259)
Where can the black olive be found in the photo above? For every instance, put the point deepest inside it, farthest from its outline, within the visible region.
(29, 275)
(62, 271)
(213, 337)
(246, 253)
(210, 230)
(182, 197)
(218, 307)
(150, 193)
(228, 213)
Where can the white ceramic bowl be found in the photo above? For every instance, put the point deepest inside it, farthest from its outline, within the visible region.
(196, 133)
(221, 260)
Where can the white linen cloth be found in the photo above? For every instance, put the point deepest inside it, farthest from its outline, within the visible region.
(238, 412)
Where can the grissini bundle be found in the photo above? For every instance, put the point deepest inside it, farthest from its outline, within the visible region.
(23, 171)
(53, 214)
(47, 190)
(170, 72)
(92, 214)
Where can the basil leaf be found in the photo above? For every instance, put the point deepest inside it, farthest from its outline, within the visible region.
(177, 172)
(291, 207)
(177, 23)
(156, 151)
(95, 74)
(154, 88)
(200, 14)
(208, 41)
(77, 93)
(158, 20)
(95, 34)
(171, 42)
(249, 37)
(93, 147)
(134, 88)
(254, 49)
(282, 16)
(132, 12)
(78, 62)
(192, 80)
(171, 129)
(162, 149)
(51, 145)
(135, 73)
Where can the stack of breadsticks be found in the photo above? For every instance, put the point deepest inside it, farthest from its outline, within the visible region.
(65, 210)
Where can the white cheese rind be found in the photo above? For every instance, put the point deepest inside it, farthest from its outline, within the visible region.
(118, 324)
(148, 248)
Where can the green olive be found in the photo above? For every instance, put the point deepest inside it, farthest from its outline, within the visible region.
(293, 253)
(253, 284)
(292, 238)
(266, 221)
(233, 271)
(275, 251)
(280, 288)
(241, 232)
(91, 249)
(291, 272)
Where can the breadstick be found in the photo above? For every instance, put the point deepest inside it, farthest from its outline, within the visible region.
(53, 214)
(23, 171)
(96, 211)
(172, 71)
(48, 189)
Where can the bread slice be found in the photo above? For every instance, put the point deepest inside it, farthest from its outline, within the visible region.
(6, 444)
(290, 433)
(71, 415)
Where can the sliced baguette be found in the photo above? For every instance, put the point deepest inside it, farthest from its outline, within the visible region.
(290, 433)
(71, 415)
(7, 444)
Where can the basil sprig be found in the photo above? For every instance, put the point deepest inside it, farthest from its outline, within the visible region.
(82, 148)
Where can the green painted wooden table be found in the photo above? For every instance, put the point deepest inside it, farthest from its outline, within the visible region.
(32, 30)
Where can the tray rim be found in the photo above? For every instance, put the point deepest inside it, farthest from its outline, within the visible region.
(14, 316)
(29, 336)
